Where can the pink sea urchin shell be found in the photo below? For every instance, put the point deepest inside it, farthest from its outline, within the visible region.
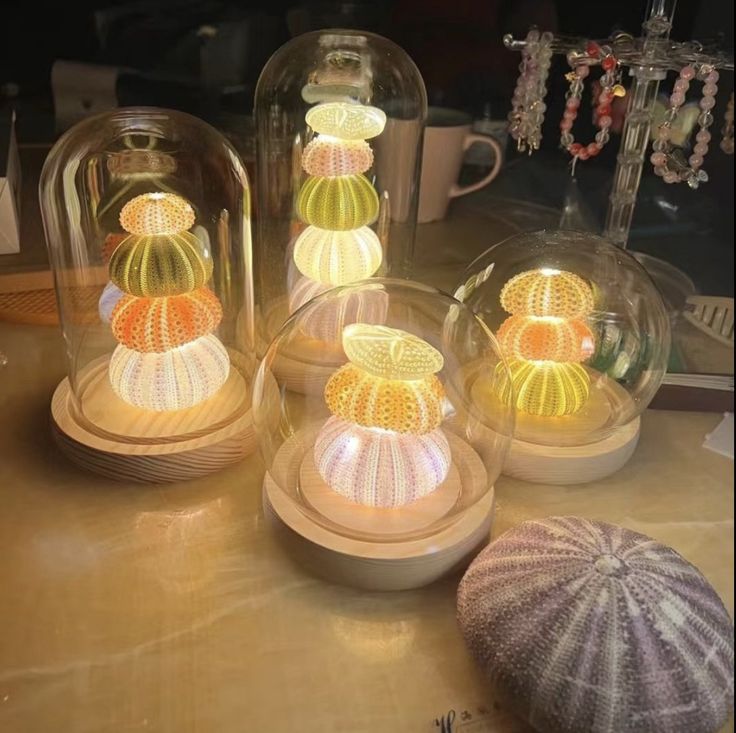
(332, 157)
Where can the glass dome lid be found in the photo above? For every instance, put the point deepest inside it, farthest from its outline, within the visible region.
(340, 117)
(582, 327)
(147, 219)
(380, 440)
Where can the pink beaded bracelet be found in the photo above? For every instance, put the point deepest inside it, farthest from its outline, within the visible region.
(669, 165)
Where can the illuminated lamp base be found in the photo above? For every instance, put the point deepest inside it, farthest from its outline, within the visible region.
(564, 465)
(370, 547)
(112, 438)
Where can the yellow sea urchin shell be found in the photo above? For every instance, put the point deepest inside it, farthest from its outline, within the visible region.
(390, 353)
(392, 404)
(153, 267)
(549, 389)
(547, 292)
(345, 202)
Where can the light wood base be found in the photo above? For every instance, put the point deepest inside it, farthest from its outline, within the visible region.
(107, 436)
(572, 464)
(376, 556)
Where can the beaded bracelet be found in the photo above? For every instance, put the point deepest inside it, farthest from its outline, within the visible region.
(667, 163)
(603, 119)
(727, 130)
(527, 104)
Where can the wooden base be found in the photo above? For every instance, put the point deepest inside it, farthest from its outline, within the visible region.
(572, 464)
(101, 433)
(371, 548)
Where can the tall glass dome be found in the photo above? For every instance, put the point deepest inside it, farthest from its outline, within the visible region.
(340, 117)
(147, 219)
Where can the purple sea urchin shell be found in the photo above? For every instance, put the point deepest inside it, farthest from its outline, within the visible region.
(586, 626)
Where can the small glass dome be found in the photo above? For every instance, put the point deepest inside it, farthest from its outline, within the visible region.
(583, 329)
(380, 439)
(147, 219)
(340, 116)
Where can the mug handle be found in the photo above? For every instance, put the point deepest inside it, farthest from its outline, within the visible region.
(471, 138)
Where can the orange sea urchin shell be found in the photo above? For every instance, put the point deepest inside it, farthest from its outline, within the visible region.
(392, 404)
(160, 324)
(545, 339)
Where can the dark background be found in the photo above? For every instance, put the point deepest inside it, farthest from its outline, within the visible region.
(204, 56)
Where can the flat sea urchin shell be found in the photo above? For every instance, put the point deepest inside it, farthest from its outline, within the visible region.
(586, 626)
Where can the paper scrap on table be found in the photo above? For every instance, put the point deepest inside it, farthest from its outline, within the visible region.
(721, 439)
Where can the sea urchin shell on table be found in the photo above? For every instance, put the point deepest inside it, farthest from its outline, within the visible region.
(587, 626)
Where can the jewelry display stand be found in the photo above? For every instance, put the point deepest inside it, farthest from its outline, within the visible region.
(648, 59)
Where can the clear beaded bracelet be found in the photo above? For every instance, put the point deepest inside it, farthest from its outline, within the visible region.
(527, 104)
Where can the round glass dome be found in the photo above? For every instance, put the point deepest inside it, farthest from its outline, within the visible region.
(147, 219)
(380, 438)
(582, 327)
(340, 117)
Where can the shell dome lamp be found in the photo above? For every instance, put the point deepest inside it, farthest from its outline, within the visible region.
(380, 468)
(149, 211)
(340, 116)
(586, 337)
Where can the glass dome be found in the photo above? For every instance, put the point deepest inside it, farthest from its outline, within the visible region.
(380, 440)
(147, 219)
(340, 117)
(583, 329)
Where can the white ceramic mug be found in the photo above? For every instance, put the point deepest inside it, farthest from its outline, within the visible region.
(447, 136)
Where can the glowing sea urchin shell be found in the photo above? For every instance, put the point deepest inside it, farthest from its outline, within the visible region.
(157, 213)
(171, 380)
(544, 339)
(586, 626)
(391, 404)
(378, 469)
(160, 324)
(548, 389)
(337, 204)
(338, 258)
(153, 267)
(390, 353)
(346, 121)
(336, 157)
(547, 292)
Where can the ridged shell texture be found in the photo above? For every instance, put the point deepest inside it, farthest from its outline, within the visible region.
(587, 627)
(377, 469)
